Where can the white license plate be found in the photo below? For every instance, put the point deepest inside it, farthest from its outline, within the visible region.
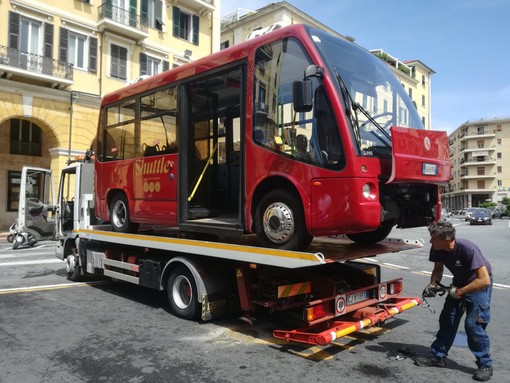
(357, 297)
(429, 169)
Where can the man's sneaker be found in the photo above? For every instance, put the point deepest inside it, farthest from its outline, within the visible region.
(483, 374)
(425, 361)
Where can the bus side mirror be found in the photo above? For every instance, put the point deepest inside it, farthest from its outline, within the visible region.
(302, 95)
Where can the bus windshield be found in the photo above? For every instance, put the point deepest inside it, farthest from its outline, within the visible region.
(374, 98)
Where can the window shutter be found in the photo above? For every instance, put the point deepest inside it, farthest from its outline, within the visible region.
(92, 54)
(159, 15)
(176, 20)
(62, 51)
(132, 14)
(196, 22)
(48, 40)
(143, 64)
(145, 11)
(13, 30)
(166, 65)
(123, 63)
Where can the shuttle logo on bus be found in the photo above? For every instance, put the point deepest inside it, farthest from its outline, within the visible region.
(153, 168)
(159, 166)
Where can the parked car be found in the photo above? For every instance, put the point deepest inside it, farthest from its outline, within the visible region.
(498, 213)
(480, 217)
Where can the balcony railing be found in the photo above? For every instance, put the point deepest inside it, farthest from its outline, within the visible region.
(35, 63)
(121, 16)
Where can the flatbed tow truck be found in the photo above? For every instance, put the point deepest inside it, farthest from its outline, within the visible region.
(325, 288)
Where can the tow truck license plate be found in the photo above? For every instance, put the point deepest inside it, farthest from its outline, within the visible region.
(357, 297)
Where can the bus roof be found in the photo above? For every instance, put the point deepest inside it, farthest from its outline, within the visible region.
(214, 60)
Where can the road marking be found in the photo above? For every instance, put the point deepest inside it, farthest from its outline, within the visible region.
(49, 287)
(396, 266)
(36, 262)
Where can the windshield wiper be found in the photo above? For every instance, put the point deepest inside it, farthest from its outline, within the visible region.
(355, 106)
(350, 106)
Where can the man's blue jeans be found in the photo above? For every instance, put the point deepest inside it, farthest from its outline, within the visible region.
(477, 308)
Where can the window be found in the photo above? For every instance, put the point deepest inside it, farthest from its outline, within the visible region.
(480, 143)
(499, 155)
(224, 44)
(152, 65)
(152, 11)
(13, 184)
(310, 137)
(480, 171)
(118, 62)
(25, 138)
(500, 169)
(78, 49)
(185, 25)
(499, 141)
(411, 93)
(480, 184)
(423, 80)
(423, 100)
(481, 129)
(30, 36)
(498, 128)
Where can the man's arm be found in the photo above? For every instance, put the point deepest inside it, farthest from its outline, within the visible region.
(481, 281)
(437, 273)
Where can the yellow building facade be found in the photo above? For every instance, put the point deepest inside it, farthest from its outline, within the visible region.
(58, 58)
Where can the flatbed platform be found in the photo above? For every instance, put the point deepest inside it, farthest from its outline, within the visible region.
(246, 249)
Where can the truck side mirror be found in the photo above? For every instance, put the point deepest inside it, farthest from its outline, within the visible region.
(302, 95)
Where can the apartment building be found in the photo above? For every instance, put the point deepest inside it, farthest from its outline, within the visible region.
(58, 58)
(414, 75)
(480, 156)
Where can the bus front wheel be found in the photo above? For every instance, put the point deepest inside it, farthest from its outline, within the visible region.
(373, 236)
(280, 223)
(119, 215)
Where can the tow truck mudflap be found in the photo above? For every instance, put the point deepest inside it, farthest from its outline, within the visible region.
(324, 333)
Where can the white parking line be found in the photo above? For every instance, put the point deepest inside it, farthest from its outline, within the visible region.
(35, 262)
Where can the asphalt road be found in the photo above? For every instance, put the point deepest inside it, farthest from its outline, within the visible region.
(52, 330)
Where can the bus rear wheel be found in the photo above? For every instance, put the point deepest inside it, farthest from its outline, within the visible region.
(280, 223)
(119, 215)
(373, 236)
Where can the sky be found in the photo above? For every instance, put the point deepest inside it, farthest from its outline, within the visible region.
(466, 42)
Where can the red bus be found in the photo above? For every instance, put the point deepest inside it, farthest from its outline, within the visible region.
(290, 135)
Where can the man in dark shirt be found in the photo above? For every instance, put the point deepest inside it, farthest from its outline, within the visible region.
(472, 278)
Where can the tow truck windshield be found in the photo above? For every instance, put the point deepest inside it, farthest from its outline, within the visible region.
(373, 97)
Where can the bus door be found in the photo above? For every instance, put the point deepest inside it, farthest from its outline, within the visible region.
(211, 165)
(36, 203)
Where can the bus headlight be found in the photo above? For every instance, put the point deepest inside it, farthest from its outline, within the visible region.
(368, 192)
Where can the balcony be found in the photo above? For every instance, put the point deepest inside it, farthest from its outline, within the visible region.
(202, 7)
(122, 22)
(14, 62)
(487, 133)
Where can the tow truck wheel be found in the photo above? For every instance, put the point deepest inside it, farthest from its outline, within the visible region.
(119, 215)
(182, 293)
(373, 236)
(72, 268)
(280, 223)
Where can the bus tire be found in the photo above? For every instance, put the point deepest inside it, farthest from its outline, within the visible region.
(119, 215)
(182, 293)
(373, 236)
(280, 223)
